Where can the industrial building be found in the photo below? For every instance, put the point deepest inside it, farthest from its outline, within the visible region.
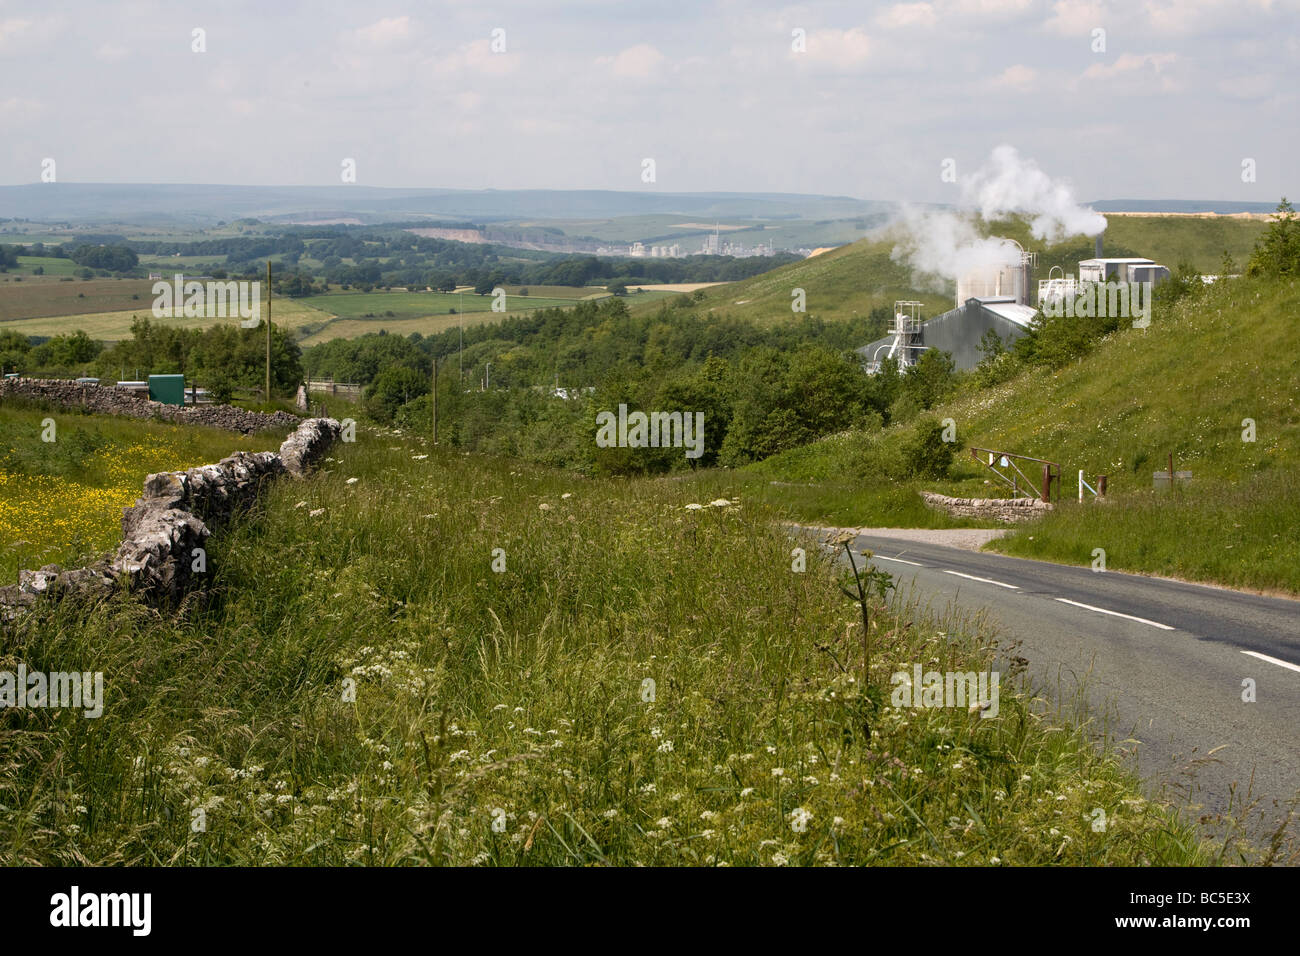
(957, 331)
(995, 297)
(1121, 270)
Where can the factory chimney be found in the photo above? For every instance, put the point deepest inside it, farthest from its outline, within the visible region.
(1099, 235)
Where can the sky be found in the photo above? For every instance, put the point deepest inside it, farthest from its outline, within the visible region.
(1139, 99)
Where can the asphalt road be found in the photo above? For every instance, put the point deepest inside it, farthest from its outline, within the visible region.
(1161, 664)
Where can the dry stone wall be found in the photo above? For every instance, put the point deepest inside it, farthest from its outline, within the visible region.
(170, 519)
(1001, 509)
(110, 400)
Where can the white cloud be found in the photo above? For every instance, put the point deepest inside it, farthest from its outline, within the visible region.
(1136, 72)
(1018, 79)
(992, 9)
(638, 62)
(1079, 17)
(389, 84)
(1127, 63)
(476, 57)
(383, 34)
(1202, 16)
(902, 15)
(843, 48)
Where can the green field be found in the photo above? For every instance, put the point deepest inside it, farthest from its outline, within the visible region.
(114, 326)
(357, 305)
(51, 266)
(559, 291)
(170, 265)
(415, 320)
(425, 325)
(47, 296)
(46, 307)
(61, 502)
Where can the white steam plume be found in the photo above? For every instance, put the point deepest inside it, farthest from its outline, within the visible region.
(1007, 185)
(946, 243)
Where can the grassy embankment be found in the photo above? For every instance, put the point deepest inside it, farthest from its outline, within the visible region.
(643, 683)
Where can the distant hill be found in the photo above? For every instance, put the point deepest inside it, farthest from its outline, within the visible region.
(90, 202)
(850, 279)
(1219, 206)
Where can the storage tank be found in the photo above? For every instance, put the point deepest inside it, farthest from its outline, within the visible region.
(1013, 279)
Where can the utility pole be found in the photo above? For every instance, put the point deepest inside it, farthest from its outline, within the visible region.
(268, 331)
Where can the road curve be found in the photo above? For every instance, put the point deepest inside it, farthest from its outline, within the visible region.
(1163, 662)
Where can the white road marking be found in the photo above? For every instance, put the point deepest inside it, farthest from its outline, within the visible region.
(1130, 617)
(881, 557)
(1010, 587)
(1273, 660)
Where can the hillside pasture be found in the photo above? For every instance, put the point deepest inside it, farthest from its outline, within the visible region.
(47, 296)
(115, 326)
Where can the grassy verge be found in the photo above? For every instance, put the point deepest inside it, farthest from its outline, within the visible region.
(1239, 536)
(640, 683)
(61, 502)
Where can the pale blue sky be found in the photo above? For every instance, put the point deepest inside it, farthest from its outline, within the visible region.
(711, 90)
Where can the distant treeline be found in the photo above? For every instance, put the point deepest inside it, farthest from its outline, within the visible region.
(392, 257)
(103, 257)
(9, 254)
(310, 259)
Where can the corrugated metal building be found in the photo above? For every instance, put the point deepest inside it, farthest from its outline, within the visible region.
(960, 330)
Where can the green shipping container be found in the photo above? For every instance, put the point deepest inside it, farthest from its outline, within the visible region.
(168, 389)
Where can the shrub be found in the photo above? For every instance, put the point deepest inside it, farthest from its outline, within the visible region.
(926, 454)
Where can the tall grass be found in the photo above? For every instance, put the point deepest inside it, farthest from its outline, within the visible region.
(643, 684)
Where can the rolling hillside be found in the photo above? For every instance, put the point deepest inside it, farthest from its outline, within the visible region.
(837, 284)
(862, 276)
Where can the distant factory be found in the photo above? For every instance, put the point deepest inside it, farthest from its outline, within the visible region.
(999, 297)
